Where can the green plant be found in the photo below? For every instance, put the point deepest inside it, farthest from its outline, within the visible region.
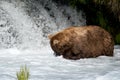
(23, 74)
(118, 38)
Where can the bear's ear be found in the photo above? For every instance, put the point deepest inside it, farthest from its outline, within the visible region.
(56, 41)
(50, 36)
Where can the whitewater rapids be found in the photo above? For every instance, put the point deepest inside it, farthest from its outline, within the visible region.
(43, 65)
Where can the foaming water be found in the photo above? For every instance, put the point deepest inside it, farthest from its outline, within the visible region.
(43, 65)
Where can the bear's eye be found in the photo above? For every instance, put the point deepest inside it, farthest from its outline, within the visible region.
(63, 46)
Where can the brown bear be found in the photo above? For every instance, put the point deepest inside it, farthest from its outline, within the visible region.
(82, 42)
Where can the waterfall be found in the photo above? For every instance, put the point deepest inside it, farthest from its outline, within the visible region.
(27, 23)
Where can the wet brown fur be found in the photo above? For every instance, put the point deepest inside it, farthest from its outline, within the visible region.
(82, 42)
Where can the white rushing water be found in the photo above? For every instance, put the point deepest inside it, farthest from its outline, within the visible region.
(27, 23)
(44, 66)
(24, 26)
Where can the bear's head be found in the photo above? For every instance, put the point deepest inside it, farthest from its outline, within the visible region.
(59, 43)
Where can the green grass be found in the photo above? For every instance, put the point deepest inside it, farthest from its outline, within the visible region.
(23, 74)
